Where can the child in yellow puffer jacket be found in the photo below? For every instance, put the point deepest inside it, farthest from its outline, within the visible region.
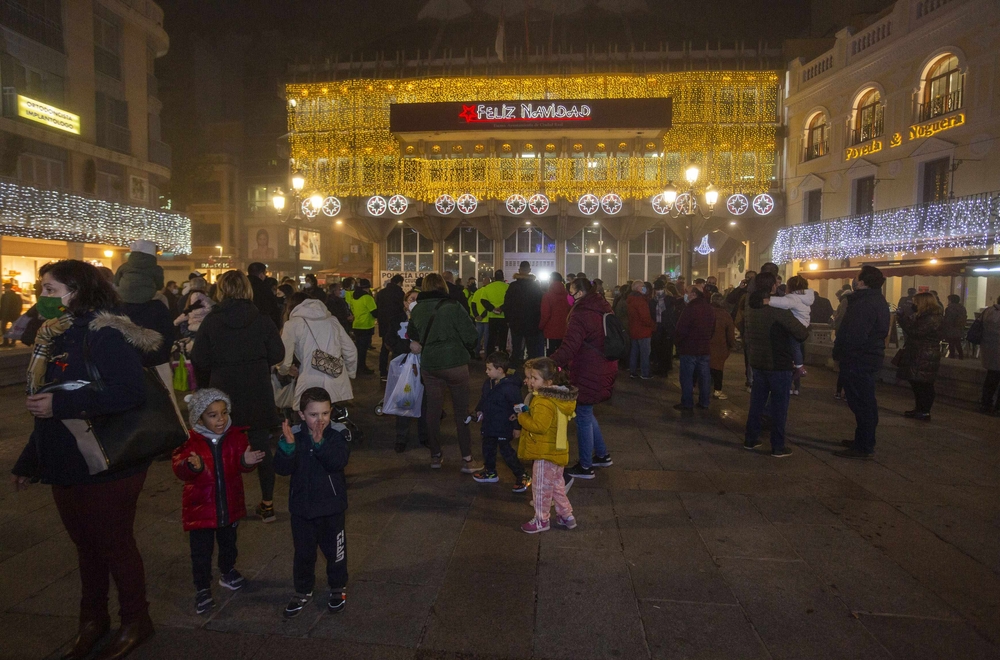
(544, 417)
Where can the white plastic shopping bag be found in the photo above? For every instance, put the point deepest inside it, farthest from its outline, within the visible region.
(403, 389)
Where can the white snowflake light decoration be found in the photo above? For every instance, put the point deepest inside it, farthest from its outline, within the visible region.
(445, 204)
(588, 204)
(538, 203)
(376, 205)
(331, 206)
(737, 204)
(763, 204)
(308, 209)
(398, 204)
(611, 203)
(660, 205)
(467, 203)
(686, 204)
(516, 204)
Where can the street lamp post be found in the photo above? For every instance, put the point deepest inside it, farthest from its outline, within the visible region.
(278, 200)
(689, 209)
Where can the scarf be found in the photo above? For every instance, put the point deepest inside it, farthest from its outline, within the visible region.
(41, 353)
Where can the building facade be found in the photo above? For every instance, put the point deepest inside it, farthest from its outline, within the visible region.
(82, 162)
(892, 153)
(469, 164)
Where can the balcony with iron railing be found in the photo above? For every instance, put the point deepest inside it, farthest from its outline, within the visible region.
(940, 105)
(870, 126)
(116, 138)
(815, 149)
(160, 153)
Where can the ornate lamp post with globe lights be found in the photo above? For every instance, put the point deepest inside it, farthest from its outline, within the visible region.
(685, 205)
(297, 205)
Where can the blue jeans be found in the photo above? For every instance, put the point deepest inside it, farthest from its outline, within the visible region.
(640, 355)
(483, 337)
(796, 346)
(588, 436)
(691, 365)
(776, 384)
(859, 387)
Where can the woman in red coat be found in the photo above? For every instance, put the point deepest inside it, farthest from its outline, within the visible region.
(640, 329)
(582, 350)
(555, 310)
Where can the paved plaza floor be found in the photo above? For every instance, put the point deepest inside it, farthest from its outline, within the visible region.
(689, 547)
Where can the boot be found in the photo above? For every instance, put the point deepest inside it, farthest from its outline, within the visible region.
(128, 638)
(90, 633)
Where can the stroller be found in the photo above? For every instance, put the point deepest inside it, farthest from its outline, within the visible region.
(351, 431)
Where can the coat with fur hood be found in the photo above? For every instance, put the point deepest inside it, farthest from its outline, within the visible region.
(311, 326)
(222, 469)
(116, 347)
(544, 425)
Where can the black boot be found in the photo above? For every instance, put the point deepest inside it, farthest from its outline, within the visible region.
(90, 633)
(128, 638)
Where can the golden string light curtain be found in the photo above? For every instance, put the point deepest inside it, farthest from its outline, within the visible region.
(726, 121)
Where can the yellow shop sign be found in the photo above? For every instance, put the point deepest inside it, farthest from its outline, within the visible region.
(932, 128)
(872, 147)
(49, 115)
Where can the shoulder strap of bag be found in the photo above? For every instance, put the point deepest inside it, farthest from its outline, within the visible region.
(95, 376)
(315, 341)
(430, 321)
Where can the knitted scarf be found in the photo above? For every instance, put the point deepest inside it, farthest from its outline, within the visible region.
(41, 353)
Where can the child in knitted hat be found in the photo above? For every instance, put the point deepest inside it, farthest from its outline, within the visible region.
(213, 440)
(139, 278)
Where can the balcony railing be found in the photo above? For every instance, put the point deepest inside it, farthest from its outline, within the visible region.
(940, 105)
(816, 149)
(871, 128)
(970, 222)
(20, 19)
(159, 153)
(116, 138)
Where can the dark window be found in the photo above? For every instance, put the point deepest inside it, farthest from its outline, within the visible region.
(936, 174)
(112, 123)
(203, 233)
(864, 195)
(107, 43)
(40, 20)
(814, 206)
(208, 192)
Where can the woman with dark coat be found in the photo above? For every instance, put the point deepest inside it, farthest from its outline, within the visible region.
(920, 356)
(237, 345)
(955, 317)
(97, 510)
(582, 351)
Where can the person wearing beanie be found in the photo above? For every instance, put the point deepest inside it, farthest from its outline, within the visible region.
(139, 279)
(210, 464)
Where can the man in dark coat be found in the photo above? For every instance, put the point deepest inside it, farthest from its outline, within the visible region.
(390, 314)
(336, 302)
(693, 338)
(821, 310)
(455, 291)
(10, 310)
(522, 306)
(860, 350)
(263, 298)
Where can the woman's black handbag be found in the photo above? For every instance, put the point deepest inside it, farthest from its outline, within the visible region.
(120, 440)
(975, 334)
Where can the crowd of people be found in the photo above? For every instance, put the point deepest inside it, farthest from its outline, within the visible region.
(550, 353)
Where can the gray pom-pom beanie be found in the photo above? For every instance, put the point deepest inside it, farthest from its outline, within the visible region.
(202, 399)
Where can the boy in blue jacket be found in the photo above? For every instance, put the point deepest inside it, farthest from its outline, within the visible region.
(495, 410)
(315, 456)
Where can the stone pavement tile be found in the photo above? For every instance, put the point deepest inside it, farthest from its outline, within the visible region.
(732, 527)
(30, 528)
(678, 631)
(568, 623)
(30, 636)
(928, 639)
(169, 643)
(29, 572)
(368, 519)
(597, 525)
(415, 547)
(444, 493)
(60, 598)
(670, 480)
(686, 457)
(788, 484)
(864, 578)
(976, 534)
(497, 501)
(496, 545)
(375, 489)
(794, 614)
(965, 584)
(642, 459)
(318, 648)
(635, 503)
(379, 613)
(483, 613)
(803, 510)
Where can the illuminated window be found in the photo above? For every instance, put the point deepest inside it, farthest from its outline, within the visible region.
(817, 137)
(530, 240)
(653, 253)
(942, 88)
(468, 253)
(406, 250)
(587, 252)
(868, 117)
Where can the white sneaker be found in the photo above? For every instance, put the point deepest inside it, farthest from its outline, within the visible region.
(719, 394)
(470, 467)
(795, 392)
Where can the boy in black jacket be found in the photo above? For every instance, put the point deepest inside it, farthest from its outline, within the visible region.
(315, 456)
(495, 410)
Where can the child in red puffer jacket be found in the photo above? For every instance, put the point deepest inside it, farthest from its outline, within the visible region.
(212, 461)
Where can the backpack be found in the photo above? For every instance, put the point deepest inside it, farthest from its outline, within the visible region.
(617, 344)
(975, 334)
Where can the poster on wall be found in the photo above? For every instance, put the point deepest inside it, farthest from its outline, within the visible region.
(262, 244)
(409, 278)
(309, 245)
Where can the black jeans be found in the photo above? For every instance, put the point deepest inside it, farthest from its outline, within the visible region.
(383, 359)
(551, 346)
(716, 378)
(924, 395)
(490, 447)
(260, 440)
(533, 344)
(363, 340)
(326, 533)
(990, 386)
(202, 545)
(403, 426)
(859, 387)
(498, 336)
(955, 349)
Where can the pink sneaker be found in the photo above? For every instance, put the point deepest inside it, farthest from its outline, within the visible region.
(568, 522)
(533, 526)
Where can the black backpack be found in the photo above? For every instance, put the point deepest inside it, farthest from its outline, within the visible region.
(616, 341)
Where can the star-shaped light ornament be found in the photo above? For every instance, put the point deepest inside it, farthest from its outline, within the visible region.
(468, 113)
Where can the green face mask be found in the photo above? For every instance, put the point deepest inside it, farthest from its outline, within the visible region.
(50, 307)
